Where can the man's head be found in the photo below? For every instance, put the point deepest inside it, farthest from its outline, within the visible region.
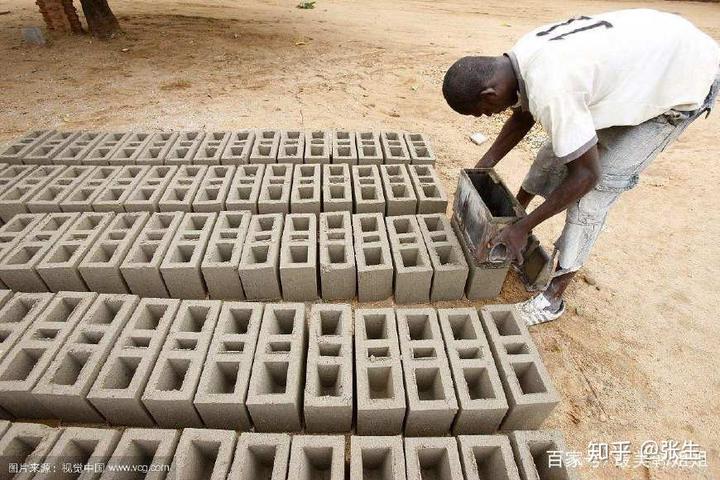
(480, 85)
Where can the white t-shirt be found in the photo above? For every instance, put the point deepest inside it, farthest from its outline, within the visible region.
(619, 68)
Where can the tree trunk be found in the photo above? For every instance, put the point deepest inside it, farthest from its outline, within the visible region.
(100, 19)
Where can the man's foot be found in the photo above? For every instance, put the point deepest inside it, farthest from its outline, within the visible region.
(540, 309)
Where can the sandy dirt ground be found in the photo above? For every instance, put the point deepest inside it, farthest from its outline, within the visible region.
(636, 357)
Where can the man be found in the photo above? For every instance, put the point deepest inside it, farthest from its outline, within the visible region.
(611, 91)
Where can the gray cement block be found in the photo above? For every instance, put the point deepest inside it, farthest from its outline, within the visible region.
(130, 148)
(292, 146)
(25, 364)
(487, 456)
(328, 399)
(480, 393)
(394, 147)
(214, 189)
(381, 458)
(237, 150)
(145, 197)
(265, 148)
(413, 270)
(372, 253)
(344, 147)
(485, 280)
(26, 443)
(82, 197)
(152, 449)
(68, 379)
(420, 148)
(338, 272)
(156, 150)
(305, 196)
(260, 260)
(380, 391)
(318, 146)
(17, 314)
(369, 149)
(245, 188)
(15, 151)
(171, 389)
(117, 391)
(100, 269)
(222, 391)
(221, 262)
(261, 456)
(337, 188)
(275, 189)
(116, 194)
(274, 397)
(399, 194)
(141, 267)
(14, 231)
(183, 150)
(367, 189)
(11, 174)
(179, 195)
(76, 151)
(104, 150)
(45, 151)
(435, 458)
(318, 456)
(13, 200)
(446, 256)
(432, 404)
(532, 451)
(431, 195)
(212, 147)
(82, 448)
(203, 453)
(180, 269)
(49, 197)
(299, 258)
(528, 387)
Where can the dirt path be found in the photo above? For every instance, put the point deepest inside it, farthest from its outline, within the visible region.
(635, 359)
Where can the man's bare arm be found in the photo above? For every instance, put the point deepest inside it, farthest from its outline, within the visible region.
(514, 130)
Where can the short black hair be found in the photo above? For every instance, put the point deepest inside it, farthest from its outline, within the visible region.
(464, 81)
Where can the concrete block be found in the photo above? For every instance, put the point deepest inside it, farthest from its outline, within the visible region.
(15, 151)
(116, 194)
(344, 147)
(260, 260)
(420, 148)
(485, 280)
(367, 189)
(237, 150)
(399, 193)
(372, 253)
(380, 458)
(529, 390)
(431, 195)
(141, 267)
(299, 258)
(221, 262)
(435, 458)
(25, 364)
(265, 148)
(79, 148)
(413, 270)
(170, 391)
(180, 269)
(533, 450)
(261, 456)
(338, 273)
(318, 146)
(222, 391)
(328, 395)
(104, 150)
(82, 197)
(59, 268)
(203, 453)
(292, 146)
(318, 456)
(45, 151)
(446, 256)
(150, 449)
(100, 269)
(117, 391)
(306, 190)
(130, 149)
(68, 379)
(157, 149)
(179, 195)
(83, 449)
(11, 174)
(274, 397)
(145, 197)
(183, 150)
(480, 393)
(49, 197)
(26, 443)
(214, 189)
(379, 387)
(432, 404)
(394, 147)
(275, 189)
(17, 314)
(14, 199)
(369, 149)
(337, 188)
(245, 188)
(212, 147)
(14, 231)
(487, 456)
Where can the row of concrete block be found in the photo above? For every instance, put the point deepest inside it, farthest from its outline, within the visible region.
(45, 147)
(84, 357)
(238, 256)
(387, 189)
(36, 451)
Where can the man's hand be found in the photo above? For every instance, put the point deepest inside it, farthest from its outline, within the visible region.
(514, 238)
